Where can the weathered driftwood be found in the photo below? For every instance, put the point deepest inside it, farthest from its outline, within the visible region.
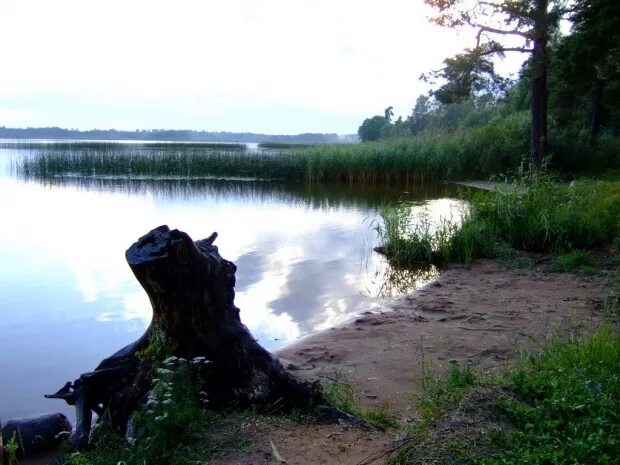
(191, 289)
(35, 434)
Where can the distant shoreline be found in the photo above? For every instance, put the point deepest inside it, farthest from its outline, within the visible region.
(173, 135)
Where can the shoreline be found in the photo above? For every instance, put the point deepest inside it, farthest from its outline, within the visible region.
(478, 315)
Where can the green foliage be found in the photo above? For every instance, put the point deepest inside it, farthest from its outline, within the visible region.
(158, 348)
(573, 261)
(168, 429)
(555, 406)
(533, 213)
(12, 448)
(437, 393)
(542, 215)
(467, 75)
(371, 128)
(571, 400)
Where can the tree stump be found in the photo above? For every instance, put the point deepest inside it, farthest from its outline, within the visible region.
(191, 289)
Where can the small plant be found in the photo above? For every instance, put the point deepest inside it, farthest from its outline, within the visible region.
(338, 393)
(12, 448)
(573, 261)
(168, 429)
(437, 392)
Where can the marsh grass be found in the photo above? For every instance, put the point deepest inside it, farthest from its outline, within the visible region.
(555, 405)
(541, 215)
(411, 239)
(417, 160)
(186, 162)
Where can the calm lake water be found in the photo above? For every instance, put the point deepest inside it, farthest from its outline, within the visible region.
(304, 258)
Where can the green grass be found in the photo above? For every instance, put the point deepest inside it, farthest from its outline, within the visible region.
(555, 406)
(541, 216)
(577, 260)
(572, 402)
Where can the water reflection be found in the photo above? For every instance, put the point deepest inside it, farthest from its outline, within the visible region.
(394, 281)
(69, 299)
(311, 195)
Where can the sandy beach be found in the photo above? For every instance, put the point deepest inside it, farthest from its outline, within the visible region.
(479, 315)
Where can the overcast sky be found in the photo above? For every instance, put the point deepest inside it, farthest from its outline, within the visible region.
(271, 66)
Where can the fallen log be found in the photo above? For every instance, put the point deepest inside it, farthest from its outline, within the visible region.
(191, 289)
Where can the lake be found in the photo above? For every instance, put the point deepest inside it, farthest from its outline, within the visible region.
(304, 258)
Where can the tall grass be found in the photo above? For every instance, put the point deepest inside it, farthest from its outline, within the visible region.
(541, 216)
(423, 159)
(175, 161)
(467, 153)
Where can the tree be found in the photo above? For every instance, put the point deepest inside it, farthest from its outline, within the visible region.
(467, 76)
(587, 64)
(532, 22)
(371, 128)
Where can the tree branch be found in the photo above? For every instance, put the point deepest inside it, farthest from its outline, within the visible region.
(492, 30)
(505, 49)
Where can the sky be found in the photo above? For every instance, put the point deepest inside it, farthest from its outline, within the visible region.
(264, 66)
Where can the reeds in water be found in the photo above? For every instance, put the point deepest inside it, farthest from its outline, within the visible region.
(475, 153)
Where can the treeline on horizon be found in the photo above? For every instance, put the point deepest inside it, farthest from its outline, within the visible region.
(182, 135)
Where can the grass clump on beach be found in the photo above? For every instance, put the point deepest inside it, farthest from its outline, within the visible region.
(534, 214)
(577, 260)
(339, 394)
(557, 405)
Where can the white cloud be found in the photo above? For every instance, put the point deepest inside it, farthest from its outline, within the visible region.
(85, 63)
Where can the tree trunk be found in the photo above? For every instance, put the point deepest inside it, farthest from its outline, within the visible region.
(190, 287)
(538, 145)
